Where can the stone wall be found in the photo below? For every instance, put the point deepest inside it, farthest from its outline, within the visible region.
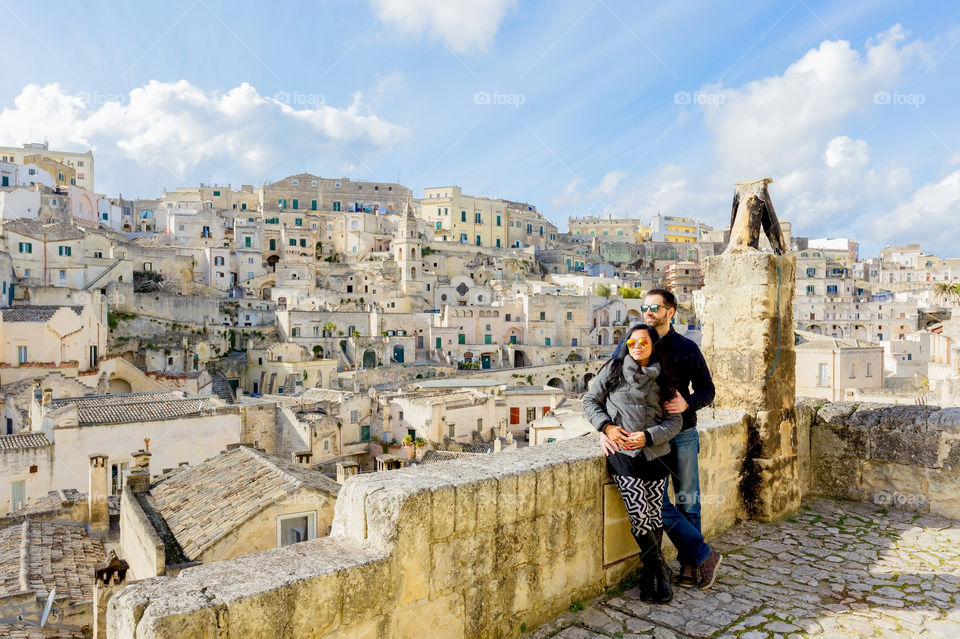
(468, 548)
(140, 545)
(903, 457)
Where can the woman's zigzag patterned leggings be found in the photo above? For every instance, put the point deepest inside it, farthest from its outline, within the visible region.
(643, 500)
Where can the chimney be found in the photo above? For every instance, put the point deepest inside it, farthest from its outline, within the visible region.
(141, 459)
(346, 469)
(98, 516)
(138, 480)
(146, 444)
(47, 396)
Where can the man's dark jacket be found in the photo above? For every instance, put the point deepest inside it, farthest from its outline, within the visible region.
(685, 362)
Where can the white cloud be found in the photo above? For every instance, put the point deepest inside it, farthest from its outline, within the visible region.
(843, 151)
(466, 26)
(192, 134)
(609, 182)
(932, 211)
(774, 124)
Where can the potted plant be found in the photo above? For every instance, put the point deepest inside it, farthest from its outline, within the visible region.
(419, 442)
(408, 440)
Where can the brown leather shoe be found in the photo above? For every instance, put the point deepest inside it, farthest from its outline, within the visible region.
(707, 571)
(688, 575)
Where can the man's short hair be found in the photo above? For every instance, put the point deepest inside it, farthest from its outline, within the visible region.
(669, 299)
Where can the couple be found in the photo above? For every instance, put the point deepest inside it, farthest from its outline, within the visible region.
(642, 404)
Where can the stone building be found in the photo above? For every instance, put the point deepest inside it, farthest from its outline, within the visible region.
(831, 368)
(232, 504)
(78, 165)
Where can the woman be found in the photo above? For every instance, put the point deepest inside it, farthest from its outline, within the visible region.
(625, 403)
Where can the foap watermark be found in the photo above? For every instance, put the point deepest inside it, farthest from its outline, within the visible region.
(701, 98)
(498, 98)
(900, 501)
(97, 99)
(899, 99)
(298, 99)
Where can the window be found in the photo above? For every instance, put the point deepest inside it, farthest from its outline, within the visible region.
(543, 315)
(336, 205)
(296, 331)
(21, 354)
(248, 241)
(365, 433)
(531, 414)
(831, 289)
(292, 241)
(498, 242)
(17, 490)
(116, 477)
(461, 339)
(303, 242)
(292, 529)
(205, 232)
(26, 247)
(569, 315)
(243, 206)
(297, 221)
(296, 205)
(218, 260)
(63, 274)
(477, 219)
(810, 289)
(853, 372)
(478, 241)
(573, 342)
(869, 372)
(354, 416)
(64, 250)
(439, 225)
(488, 339)
(546, 341)
(313, 205)
(463, 216)
(452, 430)
(823, 376)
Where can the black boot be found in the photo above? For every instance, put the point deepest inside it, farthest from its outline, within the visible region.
(654, 574)
(659, 574)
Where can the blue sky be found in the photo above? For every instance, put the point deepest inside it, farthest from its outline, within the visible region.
(582, 108)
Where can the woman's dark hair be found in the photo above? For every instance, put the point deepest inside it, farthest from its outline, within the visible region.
(668, 387)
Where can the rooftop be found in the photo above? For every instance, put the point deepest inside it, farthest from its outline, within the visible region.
(22, 441)
(204, 503)
(135, 407)
(50, 503)
(39, 556)
(38, 313)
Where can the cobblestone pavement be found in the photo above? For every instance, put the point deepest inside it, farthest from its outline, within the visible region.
(833, 569)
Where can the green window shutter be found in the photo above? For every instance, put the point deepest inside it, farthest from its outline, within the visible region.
(498, 220)
(216, 194)
(247, 241)
(293, 241)
(313, 205)
(439, 342)
(365, 433)
(546, 342)
(296, 204)
(273, 245)
(488, 339)
(461, 339)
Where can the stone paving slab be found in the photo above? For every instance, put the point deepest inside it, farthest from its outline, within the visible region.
(832, 569)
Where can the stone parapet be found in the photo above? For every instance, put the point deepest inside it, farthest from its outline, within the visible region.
(467, 548)
(902, 457)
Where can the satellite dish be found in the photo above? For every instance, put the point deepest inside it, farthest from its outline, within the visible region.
(48, 607)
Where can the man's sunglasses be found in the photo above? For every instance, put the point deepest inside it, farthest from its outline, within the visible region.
(653, 308)
(643, 342)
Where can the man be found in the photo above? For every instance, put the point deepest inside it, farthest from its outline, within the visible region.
(682, 521)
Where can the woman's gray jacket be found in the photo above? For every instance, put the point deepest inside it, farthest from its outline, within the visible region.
(634, 405)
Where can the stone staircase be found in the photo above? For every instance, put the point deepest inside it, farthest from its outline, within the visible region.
(221, 387)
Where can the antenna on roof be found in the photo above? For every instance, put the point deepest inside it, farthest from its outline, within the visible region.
(47, 608)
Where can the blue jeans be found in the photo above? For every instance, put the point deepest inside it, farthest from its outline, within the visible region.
(682, 522)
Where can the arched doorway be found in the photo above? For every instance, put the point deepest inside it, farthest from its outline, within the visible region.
(272, 262)
(119, 385)
(369, 358)
(556, 382)
(587, 379)
(519, 359)
(574, 357)
(815, 328)
(398, 354)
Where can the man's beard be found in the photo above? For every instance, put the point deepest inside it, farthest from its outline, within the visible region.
(657, 322)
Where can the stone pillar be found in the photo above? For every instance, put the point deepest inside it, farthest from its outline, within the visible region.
(748, 345)
(141, 459)
(98, 516)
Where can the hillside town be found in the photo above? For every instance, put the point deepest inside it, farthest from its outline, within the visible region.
(191, 378)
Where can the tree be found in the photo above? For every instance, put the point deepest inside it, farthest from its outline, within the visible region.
(631, 293)
(945, 292)
(601, 290)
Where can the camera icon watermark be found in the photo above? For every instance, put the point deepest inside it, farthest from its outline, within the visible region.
(700, 98)
(899, 99)
(298, 99)
(97, 99)
(498, 98)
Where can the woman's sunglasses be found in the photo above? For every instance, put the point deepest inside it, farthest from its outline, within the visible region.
(643, 342)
